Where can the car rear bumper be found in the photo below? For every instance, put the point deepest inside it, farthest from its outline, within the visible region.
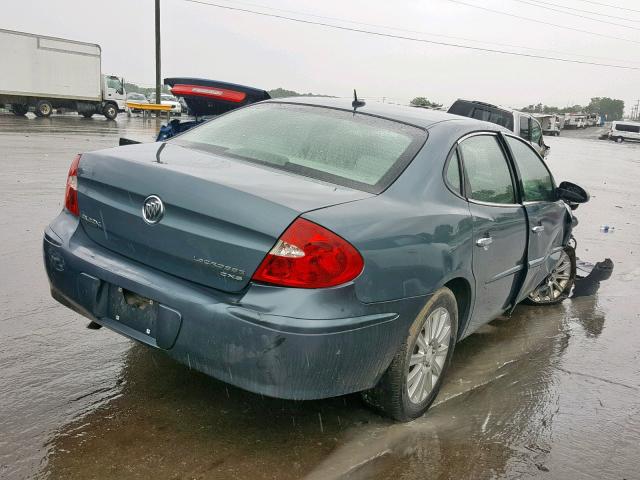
(285, 343)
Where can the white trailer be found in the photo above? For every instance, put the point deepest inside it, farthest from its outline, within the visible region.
(44, 73)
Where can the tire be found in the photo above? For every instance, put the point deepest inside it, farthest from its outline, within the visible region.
(392, 395)
(19, 109)
(87, 114)
(44, 108)
(110, 111)
(547, 292)
(619, 139)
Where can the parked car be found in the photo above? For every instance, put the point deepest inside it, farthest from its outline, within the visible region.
(622, 130)
(176, 108)
(522, 124)
(308, 248)
(136, 98)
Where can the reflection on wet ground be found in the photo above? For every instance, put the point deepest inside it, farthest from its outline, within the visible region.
(550, 391)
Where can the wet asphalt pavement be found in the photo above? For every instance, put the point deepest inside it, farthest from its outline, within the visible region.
(551, 392)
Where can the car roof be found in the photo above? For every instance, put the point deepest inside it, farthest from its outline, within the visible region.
(420, 117)
(487, 104)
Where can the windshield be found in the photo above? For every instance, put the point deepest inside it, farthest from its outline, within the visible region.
(136, 96)
(168, 97)
(358, 151)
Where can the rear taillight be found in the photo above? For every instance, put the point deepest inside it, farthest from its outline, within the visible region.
(71, 192)
(209, 92)
(309, 256)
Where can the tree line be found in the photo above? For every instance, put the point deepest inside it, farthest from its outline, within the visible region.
(612, 108)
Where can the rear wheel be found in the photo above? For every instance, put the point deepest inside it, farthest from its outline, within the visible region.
(557, 286)
(110, 111)
(412, 381)
(44, 108)
(19, 109)
(87, 114)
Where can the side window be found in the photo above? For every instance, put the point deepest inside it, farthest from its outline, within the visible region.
(536, 179)
(627, 128)
(524, 127)
(113, 82)
(536, 132)
(486, 169)
(453, 173)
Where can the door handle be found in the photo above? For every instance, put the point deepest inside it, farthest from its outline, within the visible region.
(484, 242)
(537, 229)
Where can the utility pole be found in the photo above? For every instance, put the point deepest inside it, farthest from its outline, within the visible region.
(158, 70)
(636, 115)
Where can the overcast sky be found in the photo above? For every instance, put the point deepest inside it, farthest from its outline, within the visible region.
(203, 41)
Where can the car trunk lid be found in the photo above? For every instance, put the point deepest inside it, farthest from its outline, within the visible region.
(221, 215)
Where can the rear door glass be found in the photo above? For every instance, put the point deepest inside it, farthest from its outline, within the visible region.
(358, 151)
(486, 170)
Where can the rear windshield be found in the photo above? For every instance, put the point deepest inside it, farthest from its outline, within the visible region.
(486, 113)
(354, 150)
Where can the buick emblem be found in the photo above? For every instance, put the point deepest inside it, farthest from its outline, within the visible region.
(152, 209)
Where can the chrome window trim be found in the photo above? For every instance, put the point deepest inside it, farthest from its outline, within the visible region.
(492, 204)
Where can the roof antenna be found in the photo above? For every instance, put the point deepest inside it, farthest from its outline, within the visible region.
(356, 103)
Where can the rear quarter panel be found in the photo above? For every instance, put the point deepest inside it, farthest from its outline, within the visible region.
(415, 236)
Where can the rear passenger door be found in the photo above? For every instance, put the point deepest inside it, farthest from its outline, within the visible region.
(499, 225)
(545, 213)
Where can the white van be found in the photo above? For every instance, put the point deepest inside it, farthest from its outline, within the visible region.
(621, 131)
(520, 123)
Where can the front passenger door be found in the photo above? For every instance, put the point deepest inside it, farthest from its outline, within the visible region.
(546, 214)
(499, 225)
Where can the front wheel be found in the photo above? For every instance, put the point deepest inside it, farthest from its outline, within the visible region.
(412, 381)
(110, 111)
(619, 139)
(557, 286)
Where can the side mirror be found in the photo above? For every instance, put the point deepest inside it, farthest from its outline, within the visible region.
(572, 193)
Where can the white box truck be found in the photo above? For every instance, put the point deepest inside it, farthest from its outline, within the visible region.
(44, 73)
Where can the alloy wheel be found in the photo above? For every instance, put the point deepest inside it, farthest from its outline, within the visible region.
(429, 355)
(556, 282)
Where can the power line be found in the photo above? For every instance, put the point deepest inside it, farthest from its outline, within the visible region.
(588, 11)
(402, 37)
(610, 6)
(577, 15)
(529, 19)
(376, 25)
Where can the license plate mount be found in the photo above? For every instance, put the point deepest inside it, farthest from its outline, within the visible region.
(133, 310)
